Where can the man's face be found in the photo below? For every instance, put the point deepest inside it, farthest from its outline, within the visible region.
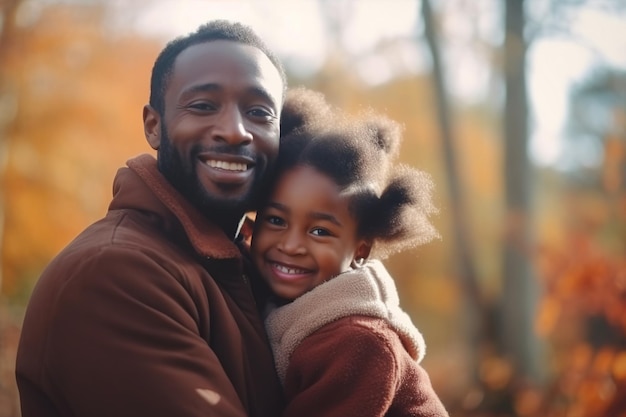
(219, 133)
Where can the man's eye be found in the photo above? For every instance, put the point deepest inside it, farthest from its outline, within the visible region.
(261, 113)
(202, 106)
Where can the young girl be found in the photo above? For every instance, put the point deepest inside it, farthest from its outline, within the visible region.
(342, 345)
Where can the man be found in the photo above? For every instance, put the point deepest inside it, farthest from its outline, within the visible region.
(148, 312)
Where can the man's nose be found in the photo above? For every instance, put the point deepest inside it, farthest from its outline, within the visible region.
(230, 127)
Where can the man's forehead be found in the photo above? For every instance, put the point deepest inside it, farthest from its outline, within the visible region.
(207, 59)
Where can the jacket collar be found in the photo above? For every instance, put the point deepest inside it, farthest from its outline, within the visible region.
(142, 187)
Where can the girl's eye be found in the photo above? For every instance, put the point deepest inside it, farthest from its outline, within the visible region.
(274, 220)
(318, 231)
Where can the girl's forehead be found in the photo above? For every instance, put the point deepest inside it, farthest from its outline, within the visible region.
(313, 179)
(300, 175)
(304, 183)
(306, 195)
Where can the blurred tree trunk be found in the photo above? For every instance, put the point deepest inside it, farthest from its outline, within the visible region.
(8, 107)
(476, 310)
(519, 286)
(336, 16)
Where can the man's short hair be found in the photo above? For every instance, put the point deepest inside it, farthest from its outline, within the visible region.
(212, 31)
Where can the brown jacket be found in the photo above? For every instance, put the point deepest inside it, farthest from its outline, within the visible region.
(346, 348)
(146, 313)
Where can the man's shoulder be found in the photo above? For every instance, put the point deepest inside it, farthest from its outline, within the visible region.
(114, 252)
(121, 234)
(117, 228)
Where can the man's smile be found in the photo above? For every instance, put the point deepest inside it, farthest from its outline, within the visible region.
(227, 166)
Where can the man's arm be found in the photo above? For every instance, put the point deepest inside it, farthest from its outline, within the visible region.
(125, 341)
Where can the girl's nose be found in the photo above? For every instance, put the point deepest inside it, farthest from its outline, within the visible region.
(292, 244)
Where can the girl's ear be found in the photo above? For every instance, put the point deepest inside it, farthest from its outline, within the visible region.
(361, 254)
(152, 126)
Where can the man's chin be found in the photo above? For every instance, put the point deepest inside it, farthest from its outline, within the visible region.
(222, 197)
(236, 205)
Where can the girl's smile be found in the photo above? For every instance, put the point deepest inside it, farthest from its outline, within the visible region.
(306, 234)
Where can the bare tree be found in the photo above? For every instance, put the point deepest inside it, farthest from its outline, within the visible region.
(512, 333)
(519, 293)
(477, 311)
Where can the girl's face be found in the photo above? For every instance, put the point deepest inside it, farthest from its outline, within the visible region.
(305, 235)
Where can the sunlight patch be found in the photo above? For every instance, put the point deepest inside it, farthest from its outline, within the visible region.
(210, 396)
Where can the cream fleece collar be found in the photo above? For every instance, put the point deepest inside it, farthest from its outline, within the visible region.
(367, 291)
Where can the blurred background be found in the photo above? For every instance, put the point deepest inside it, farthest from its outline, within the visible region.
(516, 107)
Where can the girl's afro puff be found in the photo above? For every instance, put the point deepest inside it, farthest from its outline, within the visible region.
(303, 107)
(391, 202)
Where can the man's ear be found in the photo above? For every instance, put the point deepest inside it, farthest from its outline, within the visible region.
(152, 126)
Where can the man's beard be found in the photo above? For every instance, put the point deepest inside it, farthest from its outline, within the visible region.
(184, 178)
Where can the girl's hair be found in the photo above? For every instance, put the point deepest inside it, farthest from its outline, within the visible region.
(391, 202)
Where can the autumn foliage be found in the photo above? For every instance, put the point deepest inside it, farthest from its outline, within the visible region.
(583, 311)
(77, 94)
(71, 95)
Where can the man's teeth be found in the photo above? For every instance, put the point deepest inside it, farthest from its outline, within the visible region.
(287, 270)
(227, 166)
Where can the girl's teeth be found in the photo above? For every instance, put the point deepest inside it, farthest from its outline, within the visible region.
(287, 270)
